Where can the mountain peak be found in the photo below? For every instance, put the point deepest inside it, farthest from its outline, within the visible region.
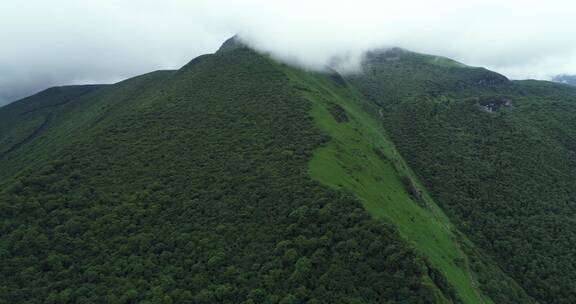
(232, 43)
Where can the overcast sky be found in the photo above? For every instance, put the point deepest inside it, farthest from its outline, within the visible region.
(57, 42)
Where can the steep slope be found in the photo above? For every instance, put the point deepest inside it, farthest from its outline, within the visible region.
(361, 160)
(22, 121)
(237, 179)
(497, 156)
(395, 74)
(32, 128)
(193, 187)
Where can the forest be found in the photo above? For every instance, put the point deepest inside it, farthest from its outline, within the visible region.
(240, 179)
(194, 191)
(505, 176)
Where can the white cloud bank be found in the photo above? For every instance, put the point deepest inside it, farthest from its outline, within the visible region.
(45, 43)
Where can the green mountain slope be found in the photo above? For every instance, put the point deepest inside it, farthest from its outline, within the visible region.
(237, 179)
(396, 74)
(32, 128)
(24, 120)
(498, 158)
(360, 159)
(194, 187)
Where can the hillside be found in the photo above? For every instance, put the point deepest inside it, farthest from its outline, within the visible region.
(239, 179)
(26, 119)
(193, 187)
(34, 127)
(361, 159)
(498, 157)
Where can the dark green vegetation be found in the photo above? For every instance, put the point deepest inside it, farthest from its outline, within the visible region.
(192, 187)
(23, 121)
(361, 160)
(396, 74)
(498, 156)
(237, 179)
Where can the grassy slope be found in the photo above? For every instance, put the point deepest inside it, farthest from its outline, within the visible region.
(349, 162)
(504, 178)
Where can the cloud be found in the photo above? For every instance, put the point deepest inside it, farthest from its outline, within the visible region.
(60, 42)
(48, 43)
(518, 38)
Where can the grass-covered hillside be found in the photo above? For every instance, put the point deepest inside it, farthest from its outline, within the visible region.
(197, 186)
(360, 159)
(497, 156)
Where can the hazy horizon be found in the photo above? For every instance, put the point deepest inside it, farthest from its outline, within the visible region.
(66, 42)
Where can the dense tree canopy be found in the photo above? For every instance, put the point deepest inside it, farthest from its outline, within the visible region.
(195, 191)
(194, 186)
(497, 155)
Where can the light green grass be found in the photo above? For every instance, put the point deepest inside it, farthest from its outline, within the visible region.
(349, 163)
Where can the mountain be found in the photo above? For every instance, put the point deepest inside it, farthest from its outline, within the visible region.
(497, 156)
(567, 79)
(190, 186)
(239, 179)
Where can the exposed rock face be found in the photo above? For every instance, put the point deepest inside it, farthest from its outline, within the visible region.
(338, 113)
(231, 44)
(493, 103)
(488, 78)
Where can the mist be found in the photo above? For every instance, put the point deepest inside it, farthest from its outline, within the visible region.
(48, 43)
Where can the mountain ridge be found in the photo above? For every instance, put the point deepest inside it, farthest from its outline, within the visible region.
(266, 183)
(230, 194)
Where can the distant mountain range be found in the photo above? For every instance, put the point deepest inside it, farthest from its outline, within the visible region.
(567, 79)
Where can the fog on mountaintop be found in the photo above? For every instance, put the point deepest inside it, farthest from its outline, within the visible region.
(47, 43)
